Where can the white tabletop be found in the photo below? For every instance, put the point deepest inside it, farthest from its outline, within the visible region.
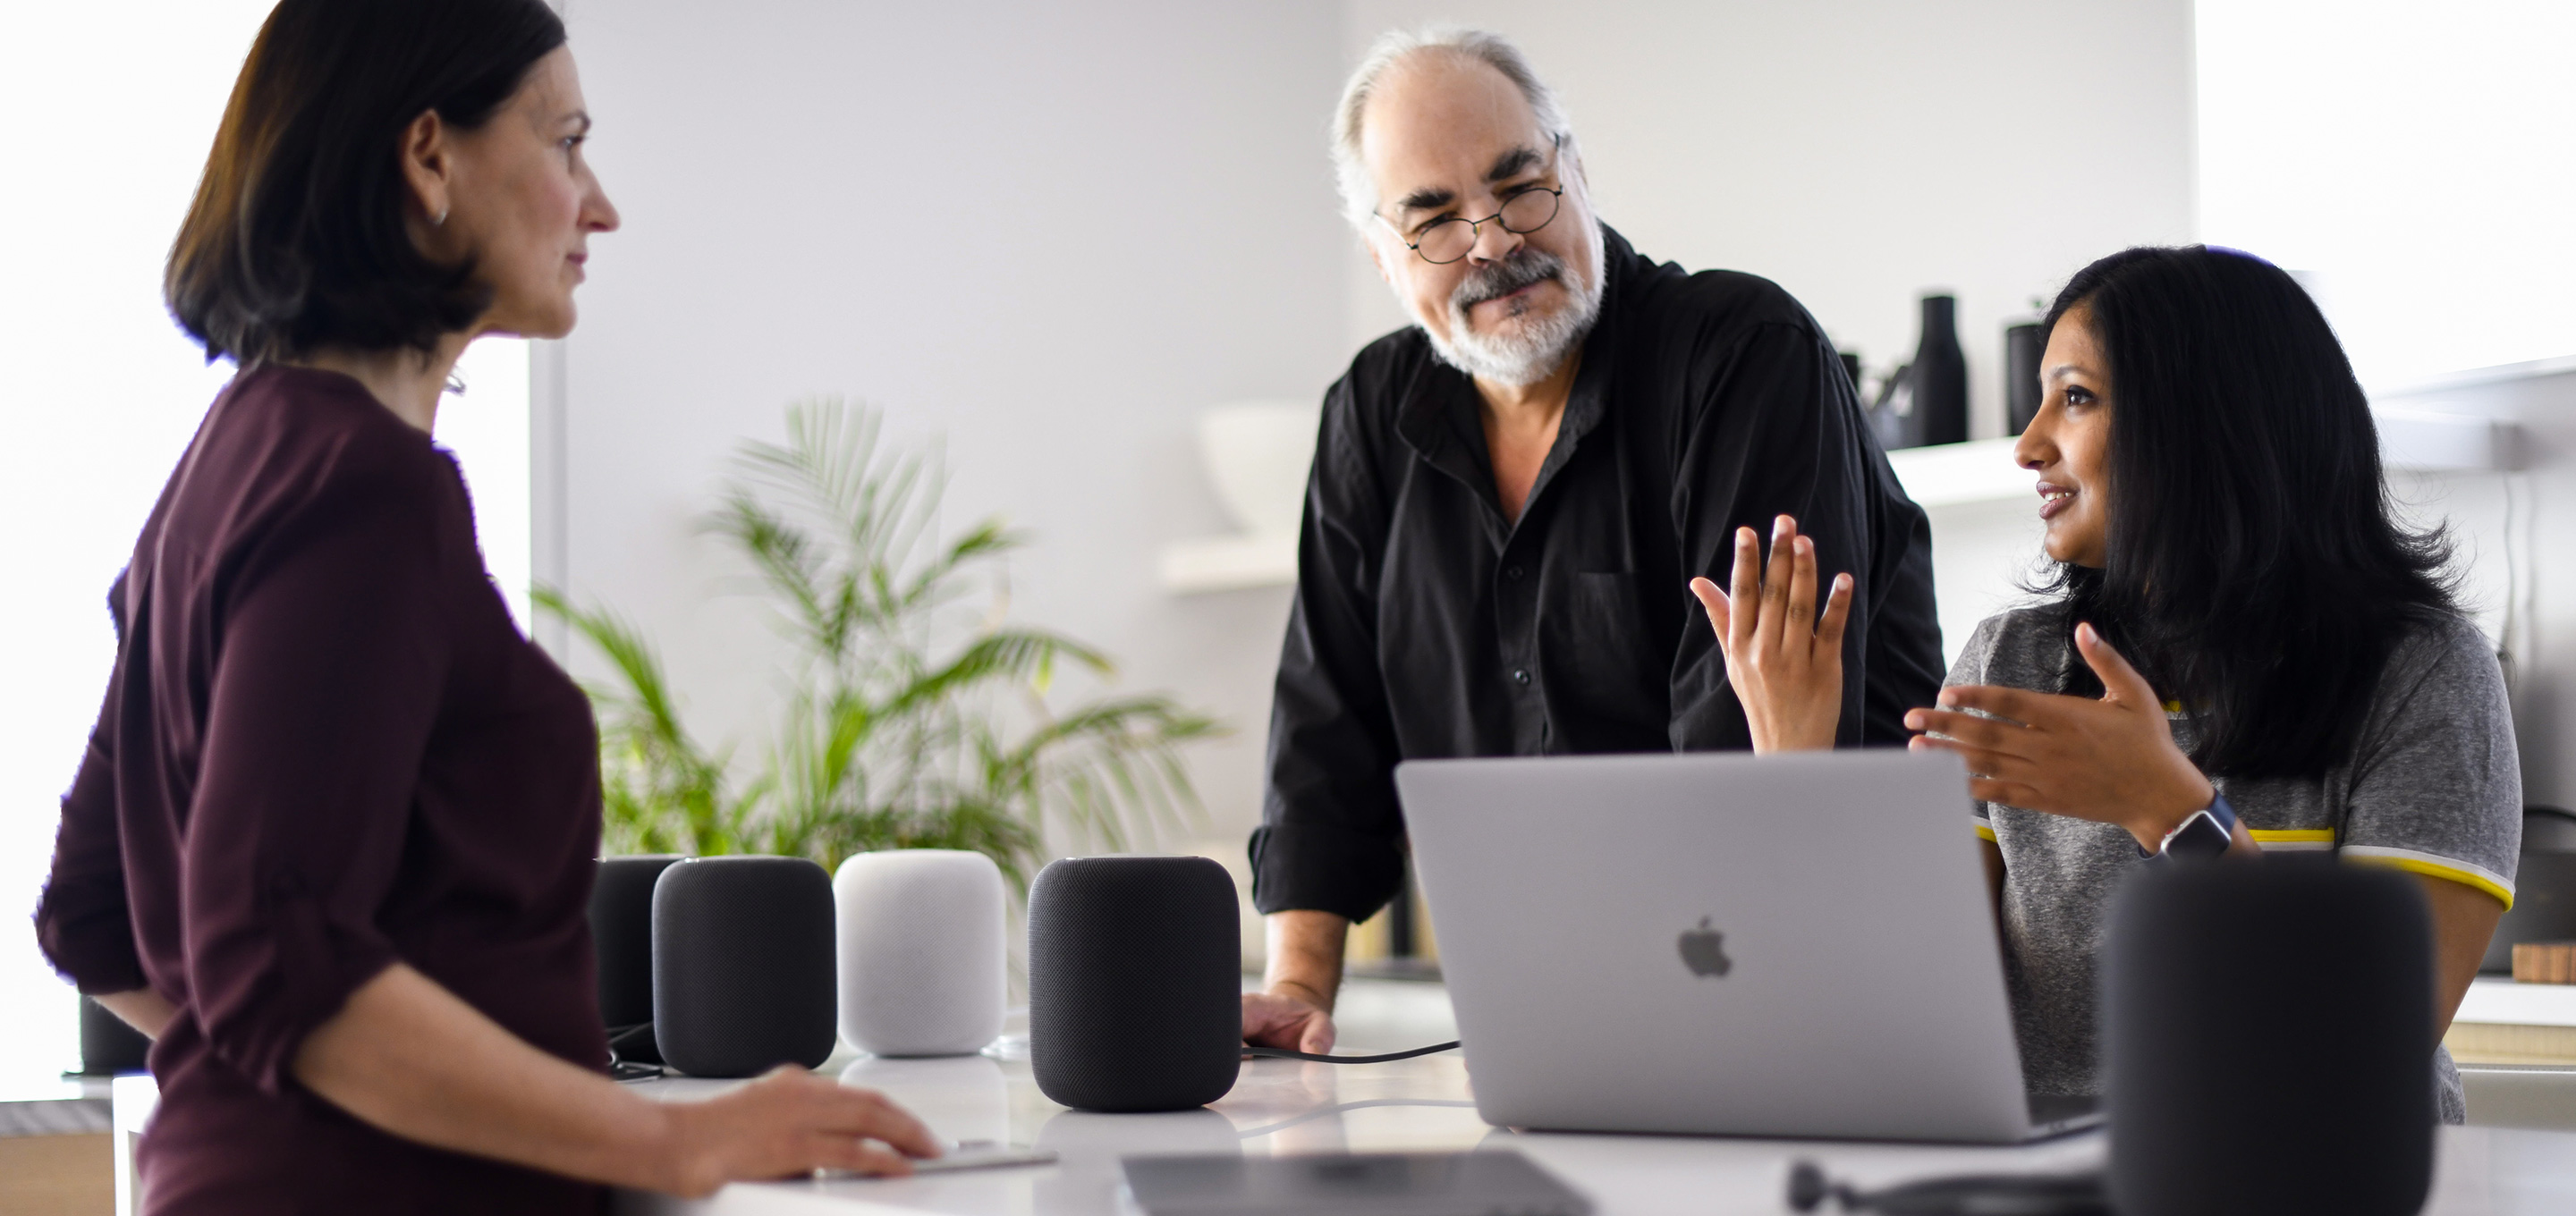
(1283, 1107)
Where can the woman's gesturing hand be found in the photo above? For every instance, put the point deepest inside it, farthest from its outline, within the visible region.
(1786, 664)
(2112, 761)
(787, 1123)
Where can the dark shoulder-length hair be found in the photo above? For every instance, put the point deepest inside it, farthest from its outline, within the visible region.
(297, 239)
(2256, 570)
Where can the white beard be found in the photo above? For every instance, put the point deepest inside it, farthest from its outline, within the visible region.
(1537, 346)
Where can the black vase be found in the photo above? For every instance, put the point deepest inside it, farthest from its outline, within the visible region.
(2021, 376)
(1939, 377)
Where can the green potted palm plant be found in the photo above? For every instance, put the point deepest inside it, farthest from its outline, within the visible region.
(913, 718)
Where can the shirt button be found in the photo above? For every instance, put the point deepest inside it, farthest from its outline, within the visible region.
(1520, 675)
(1514, 574)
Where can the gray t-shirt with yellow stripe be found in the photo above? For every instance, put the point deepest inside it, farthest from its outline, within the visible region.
(2433, 786)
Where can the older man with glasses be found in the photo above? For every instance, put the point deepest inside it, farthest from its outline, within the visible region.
(1511, 496)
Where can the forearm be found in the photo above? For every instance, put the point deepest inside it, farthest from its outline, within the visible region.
(1306, 954)
(410, 1058)
(142, 1009)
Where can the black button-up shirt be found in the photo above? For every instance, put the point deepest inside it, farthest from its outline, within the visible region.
(1428, 623)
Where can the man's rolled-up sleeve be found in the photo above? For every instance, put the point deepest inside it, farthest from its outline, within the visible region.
(1331, 834)
(333, 660)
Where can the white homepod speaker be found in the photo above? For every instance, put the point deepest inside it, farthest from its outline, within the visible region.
(924, 951)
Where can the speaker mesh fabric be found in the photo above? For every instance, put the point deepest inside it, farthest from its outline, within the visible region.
(621, 937)
(2269, 1038)
(1135, 983)
(742, 965)
(621, 933)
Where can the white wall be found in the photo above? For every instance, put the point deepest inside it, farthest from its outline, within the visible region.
(1049, 233)
(1052, 237)
(2416, 162)
(1858, 152)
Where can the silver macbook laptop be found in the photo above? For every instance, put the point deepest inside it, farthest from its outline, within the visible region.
(1795, 945)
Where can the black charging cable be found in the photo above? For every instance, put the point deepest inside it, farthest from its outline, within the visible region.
(2083, 1194)
(619, 1067)
(1283, 1053)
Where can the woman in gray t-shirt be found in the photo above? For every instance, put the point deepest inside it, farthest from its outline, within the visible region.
(2210, 480)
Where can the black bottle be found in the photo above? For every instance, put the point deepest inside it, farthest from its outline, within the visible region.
(1940, 376)
(2021, 376)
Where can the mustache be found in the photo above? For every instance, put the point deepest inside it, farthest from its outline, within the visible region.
(1495, 280)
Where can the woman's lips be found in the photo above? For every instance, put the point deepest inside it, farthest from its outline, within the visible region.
(2053, 499)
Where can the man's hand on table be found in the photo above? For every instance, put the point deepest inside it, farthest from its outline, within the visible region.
(1295, 1008)
(1286, 1018)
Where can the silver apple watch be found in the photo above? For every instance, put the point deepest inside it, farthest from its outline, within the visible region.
(2209, 832)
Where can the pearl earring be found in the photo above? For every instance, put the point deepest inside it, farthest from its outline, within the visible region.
(441, 221)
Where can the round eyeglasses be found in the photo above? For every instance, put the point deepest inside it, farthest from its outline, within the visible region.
(1446, 240)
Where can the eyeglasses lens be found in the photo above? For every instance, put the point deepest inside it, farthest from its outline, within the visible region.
(1529, 211)
(1450, 240)
(1447, 241)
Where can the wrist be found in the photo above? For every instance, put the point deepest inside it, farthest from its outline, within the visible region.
(660, 1155)
(1303, 990)
(2161, 815)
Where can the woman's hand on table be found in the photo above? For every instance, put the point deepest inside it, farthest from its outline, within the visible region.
(788, 1123)
(2111, 760)
(1784, 662)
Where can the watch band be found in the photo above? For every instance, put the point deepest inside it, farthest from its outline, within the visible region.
(2206, 834)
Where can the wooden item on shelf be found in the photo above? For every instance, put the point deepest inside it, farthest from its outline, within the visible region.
(2544, 962)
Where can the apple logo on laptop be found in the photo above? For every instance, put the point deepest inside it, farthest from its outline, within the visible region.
(1704, 951)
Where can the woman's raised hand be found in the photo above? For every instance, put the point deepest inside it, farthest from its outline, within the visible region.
(1785, 662)
(787, 1123)
(2111, 761)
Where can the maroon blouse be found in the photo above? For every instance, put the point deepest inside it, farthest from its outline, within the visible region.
(324, 749)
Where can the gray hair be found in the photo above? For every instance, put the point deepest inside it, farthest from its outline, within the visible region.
(1359, 194)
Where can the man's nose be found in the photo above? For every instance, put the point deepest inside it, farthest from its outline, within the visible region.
(1495, 242)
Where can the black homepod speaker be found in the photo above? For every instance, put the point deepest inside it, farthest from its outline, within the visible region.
(2269, 1040)
(742, 965)
(1135, 983)
(621, 936)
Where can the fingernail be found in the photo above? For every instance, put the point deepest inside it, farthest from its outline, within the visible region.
(1947, 699)
(1805, 546)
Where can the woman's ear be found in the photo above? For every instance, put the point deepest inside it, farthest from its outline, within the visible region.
(428, 166)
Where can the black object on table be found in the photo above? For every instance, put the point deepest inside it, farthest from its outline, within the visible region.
(2081, 1194)
(621, 937)
(743, 965)
(1481, 1183)
(2269, 1042)
(1135, 983)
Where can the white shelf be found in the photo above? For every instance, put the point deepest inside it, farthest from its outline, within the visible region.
(2494, 1000)
(1944, 475)
(1982, 470)
(1229, 563)
(1950, 474)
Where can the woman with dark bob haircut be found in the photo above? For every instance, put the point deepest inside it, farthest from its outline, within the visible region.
(331, 844)
(2240, 651)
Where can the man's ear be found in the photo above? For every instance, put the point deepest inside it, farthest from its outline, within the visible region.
(427, 166)
(1377, 258)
